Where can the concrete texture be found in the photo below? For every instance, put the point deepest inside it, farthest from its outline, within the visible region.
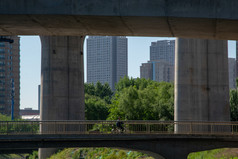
(201, 80)
(159, 146)
(62, 81)
(179, 18)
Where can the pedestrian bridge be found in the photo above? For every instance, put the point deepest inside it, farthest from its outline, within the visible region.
(161, 139)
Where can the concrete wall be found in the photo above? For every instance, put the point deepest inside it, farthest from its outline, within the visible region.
(62, 95)
(62, 82)
(201, 80)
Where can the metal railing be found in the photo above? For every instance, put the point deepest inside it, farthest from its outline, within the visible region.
(109, 127)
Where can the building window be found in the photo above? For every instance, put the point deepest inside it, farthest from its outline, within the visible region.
(2, 50)
(2, 44)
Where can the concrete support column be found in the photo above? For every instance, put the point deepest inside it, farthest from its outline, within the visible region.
(201, 80)
(62, 81)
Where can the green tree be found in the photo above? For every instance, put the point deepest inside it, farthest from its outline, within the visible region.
(5, 117)
(100, 90)
(234, 103)
(89, 88)
(34, 155)
(139, 83)
(97, 98)
(141, 99)
(95, 108)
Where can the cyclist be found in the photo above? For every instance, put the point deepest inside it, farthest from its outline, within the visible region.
(119, 124)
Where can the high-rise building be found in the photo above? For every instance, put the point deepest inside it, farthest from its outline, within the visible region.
(232, 72)
(106, 59)
(146, 70)
(157, 71)
(161, 64)
(163, 50)
(9, 75)
(237, 58)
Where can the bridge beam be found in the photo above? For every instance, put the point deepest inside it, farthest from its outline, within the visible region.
(160, 146)
(201, 80)
(62, 80)
(216, 19)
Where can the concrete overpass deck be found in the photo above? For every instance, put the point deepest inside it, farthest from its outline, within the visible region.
(171, 18)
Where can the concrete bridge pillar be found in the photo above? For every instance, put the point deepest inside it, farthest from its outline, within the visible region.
(201, 80)
(62, 81)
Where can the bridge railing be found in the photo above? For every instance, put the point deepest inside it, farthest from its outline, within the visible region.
(110, 127)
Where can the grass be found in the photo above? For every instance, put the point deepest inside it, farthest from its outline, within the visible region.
(98, 153)
(108, 153)
(225, 153)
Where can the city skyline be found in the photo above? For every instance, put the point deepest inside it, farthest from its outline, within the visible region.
(138, 53)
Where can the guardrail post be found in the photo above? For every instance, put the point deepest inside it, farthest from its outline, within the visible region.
(55, 127)
(211, 128)
(7, 127)
(102, 128)
(148, 128)
(40, 128)
(32, 131)
(232, 131)
(64, 128)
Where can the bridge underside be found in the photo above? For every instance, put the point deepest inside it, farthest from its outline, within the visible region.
(73, 25)
(162, 146)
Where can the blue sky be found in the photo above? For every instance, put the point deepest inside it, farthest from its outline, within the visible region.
(30, 66)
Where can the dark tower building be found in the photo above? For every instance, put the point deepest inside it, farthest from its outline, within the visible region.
(9, 75)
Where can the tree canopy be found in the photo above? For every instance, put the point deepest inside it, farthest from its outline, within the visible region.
(95, 108)
(134, 99)
(97, 99)
(100, 90)
(234, 103)
(141, 99)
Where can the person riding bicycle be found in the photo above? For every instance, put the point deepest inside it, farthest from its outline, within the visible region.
(119, 124)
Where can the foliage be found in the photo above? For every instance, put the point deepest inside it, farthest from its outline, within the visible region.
(95, 108)
(224, 153)
(34, 155)
(203, 154)
(135, 99)
(141, 99)
(5, 118)
(97, 98)
(98, 153)
(13, 156)
(139, 83)
(234, 103)
(102, 91)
